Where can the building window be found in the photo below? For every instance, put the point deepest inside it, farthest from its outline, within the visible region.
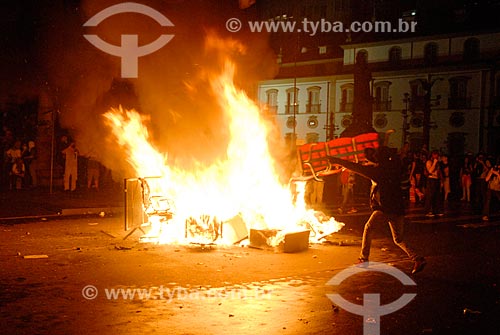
(382, 99)
(430, 53)
(313, 101)
(416, 96)
(458, 98)
(497, 91)
(292, 101)
(395, 55)
(362, 57)
(272, 101)
(346, 99)
(471, 49)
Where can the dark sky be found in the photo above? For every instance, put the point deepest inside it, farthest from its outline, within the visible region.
(36, 33)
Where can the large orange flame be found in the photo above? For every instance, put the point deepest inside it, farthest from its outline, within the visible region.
(245, 183)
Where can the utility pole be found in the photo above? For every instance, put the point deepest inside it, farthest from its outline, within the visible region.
(427, 85)
(406, 101)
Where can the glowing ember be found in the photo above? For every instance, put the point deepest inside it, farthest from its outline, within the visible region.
(245, 183)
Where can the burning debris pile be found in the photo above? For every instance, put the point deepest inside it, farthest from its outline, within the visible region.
(218, 203)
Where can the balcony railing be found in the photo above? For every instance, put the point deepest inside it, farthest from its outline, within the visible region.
(272, 109)
(289, 109)
(417, 103)
(382, 105)
(313, 108)
(346, 106)
(459, 102)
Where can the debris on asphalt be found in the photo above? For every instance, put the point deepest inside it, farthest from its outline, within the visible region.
(468, 311)
(349, 243)
(231, 315)
(35, 256)
(335, 308)
(119, 247)
(93, 223)
(384, 249)
(107, 234)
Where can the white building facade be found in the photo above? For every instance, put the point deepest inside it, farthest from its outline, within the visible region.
(460, 70)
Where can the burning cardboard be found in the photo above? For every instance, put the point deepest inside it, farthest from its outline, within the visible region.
(283, 242)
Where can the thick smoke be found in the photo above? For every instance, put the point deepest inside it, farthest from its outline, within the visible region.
(172, 85)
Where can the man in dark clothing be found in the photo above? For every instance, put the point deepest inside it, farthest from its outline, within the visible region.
(386, 200)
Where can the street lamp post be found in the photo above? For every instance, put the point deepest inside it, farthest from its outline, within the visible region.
(406, 126)
(428, 100)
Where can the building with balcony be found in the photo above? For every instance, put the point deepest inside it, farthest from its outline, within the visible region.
(454, 76)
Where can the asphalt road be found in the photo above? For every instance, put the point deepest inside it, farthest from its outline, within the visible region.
(240, 290)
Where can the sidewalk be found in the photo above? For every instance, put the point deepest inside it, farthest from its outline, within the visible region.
(39, 203)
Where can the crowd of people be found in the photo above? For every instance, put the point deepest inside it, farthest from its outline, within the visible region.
(433, 179)
(18, 162)
(20, 169)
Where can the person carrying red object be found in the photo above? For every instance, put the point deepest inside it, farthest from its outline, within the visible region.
(386, 200)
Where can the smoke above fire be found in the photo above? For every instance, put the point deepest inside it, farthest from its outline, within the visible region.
(173, 85)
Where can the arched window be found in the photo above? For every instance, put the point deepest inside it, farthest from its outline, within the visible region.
(346, 99)
(313, 100)
(430, 53)
(416, 96)
(382, 99)
(272, 100)
(471, 49)
(458, 98)
(395, 55)
(292, 101)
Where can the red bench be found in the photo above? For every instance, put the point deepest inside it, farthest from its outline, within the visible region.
(313, 157)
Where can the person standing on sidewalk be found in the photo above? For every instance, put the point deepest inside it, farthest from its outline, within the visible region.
(70, 167)
(479, 184)
(493, 181)
(466, 177)
(386, 200)
(433, 199)
(445, 173)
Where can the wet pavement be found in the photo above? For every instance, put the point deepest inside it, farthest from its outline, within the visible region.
(85, 282)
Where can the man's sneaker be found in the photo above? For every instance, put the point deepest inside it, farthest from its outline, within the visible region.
(440, 214)
(485, 218)
(419, 265)
(429, 215)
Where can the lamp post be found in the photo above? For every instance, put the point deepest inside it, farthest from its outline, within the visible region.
(428, 104)
(406, 126)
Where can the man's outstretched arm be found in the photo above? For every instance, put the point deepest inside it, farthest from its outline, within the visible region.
(366, 171)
